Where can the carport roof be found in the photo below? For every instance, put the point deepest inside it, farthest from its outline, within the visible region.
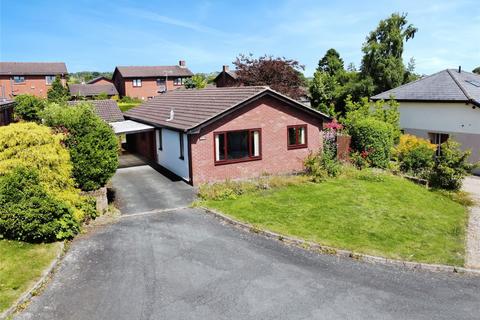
(195, 108)
(129, 126)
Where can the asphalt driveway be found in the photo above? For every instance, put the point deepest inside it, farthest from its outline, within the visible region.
(184, 264)
(141, 189)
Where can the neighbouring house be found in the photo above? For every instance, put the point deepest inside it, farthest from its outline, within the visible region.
(29, 77)
(108, 110)
(100, 80)
(442, 106)
(215, 134)
(227, 78)
(6, 111)
(90, 91)
(146, 82)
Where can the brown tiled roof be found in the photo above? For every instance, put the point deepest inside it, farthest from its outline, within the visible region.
(94, 80)
(32, 68)
(194, 108)
(92, 89)
(108, 110)
(154, 71)
(446, 85)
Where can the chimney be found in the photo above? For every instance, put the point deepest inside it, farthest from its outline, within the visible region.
(225, 68)
(459, 69)
(182, 63)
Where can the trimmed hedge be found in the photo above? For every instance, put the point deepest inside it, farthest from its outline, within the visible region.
(374, 139)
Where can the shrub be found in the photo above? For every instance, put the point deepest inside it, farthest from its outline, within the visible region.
(58, 93)
(127, 99)
(320, 166)
(92, 143)
(102, 96)
(29, 213)
(28, 107)
(450, 167)
(35, 147)
(415, 155)
(373, 139)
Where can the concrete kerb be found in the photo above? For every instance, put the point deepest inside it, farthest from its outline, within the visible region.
(44, 278)
(315, 247)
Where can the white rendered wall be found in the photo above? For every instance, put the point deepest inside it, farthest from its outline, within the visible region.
(440, 117)
(169, 156)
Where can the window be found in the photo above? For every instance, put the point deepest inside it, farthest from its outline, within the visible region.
(160, 139)
(49, 80)
(18, 79)
(297, 136)
(180, 135)
(137, 82)
(438, 139)
(178, 81)
(236, 146)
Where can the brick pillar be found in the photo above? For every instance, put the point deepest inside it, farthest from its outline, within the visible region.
(343, 147)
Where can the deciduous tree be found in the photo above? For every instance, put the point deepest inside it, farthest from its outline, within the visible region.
(281, 74)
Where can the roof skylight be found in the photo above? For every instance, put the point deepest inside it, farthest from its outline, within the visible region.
(474, 82)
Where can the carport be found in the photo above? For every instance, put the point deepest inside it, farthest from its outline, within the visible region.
(133, 154)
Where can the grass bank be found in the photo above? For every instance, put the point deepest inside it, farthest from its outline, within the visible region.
(376, 214)
(21, 265)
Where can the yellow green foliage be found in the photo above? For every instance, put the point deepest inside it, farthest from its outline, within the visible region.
(35, 146)
(409, 142)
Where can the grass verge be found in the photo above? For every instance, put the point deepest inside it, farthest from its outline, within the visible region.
(21, 265)
(125, 106)
(371, 213)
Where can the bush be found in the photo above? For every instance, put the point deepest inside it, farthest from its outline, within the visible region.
(29, 213)
(58, 93)
(320, 166)
(34, 146)
(373, 139)
(415, 155)
(127, 99)
(450, 168)
(28, 107)
(92, 143)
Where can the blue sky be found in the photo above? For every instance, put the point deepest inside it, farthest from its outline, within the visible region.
(98, 35)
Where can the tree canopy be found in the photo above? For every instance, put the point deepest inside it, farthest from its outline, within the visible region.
(476, 70)
(383, 52)
(281, 74)
(58, 92)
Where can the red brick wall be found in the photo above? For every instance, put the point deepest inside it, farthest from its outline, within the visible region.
(148, 89)
(35, 85)
(142, 143)
(273, 117)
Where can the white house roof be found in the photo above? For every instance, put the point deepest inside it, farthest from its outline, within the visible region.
(446, 85)
(129, 126)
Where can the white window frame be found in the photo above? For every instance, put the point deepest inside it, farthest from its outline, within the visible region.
(137, 82)
(18, 77)
(51, 78)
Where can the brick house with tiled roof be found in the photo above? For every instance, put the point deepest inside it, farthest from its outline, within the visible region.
(146, 82)
(442, 106)
(215, 134)
(29, 77)
(227, 78)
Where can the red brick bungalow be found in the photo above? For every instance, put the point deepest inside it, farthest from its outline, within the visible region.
(145, 82)
(29, 77)
(215, 134)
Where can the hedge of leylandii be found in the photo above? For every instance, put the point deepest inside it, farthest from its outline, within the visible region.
(374, 139)
(92, 143)
(38, 199)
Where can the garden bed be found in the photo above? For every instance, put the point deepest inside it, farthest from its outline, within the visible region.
(373, 213)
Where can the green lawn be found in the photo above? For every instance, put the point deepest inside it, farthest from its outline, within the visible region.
(125, 106)
(387, 216)
(21, 264)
